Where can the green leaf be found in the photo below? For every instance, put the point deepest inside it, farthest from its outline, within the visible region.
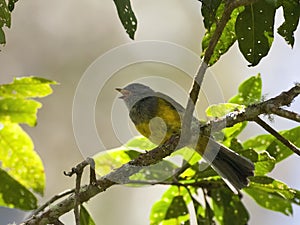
(5, 19)
(188, 154)
(259, 143)
(249, 91)
(220, 110)
(19, 158)
(140, 143)
(228, 208)
(291, 12)
(264, 164)
(177, 208)
(200, 213)
(162, 170)
(126, 16)
(85, 217)
(15, 195)
(275, 148)
(296, 199)
(228, 36)
(254, 30)
(271, 194)
(172, 208)
(109, 160)
(209, 12)
(27, 87)
(2, 36)
(19, 110)
(11, 4)
(278, 150)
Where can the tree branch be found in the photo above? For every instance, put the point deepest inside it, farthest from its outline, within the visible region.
(122, 174)
(253, 111)
(278, 136)
(194, 92)
(286, 114)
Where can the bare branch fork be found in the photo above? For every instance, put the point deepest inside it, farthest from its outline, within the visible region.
(121, 175)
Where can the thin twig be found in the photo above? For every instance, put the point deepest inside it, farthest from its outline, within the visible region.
(199, 184)
(77, 191)
(278, 136)
(93, 179)
(77, 168)
(122, 174)
(53, 199)
(252, 111)
(198, 80)
(285, 114)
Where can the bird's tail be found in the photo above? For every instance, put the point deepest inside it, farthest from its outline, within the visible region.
(233, 167)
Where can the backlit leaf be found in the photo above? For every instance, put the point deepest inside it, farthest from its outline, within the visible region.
(18, 157)
(228, 208)
(271, 194)
(172, 208)
(249, 91)
(27, 87)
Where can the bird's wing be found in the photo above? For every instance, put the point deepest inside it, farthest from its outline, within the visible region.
(172, 102)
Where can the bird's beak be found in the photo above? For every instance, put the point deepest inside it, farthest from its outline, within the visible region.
(125, 93)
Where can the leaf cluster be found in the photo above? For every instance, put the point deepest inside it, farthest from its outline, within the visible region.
(21, 168)
(6, 7)
(250, 24)
(192, 182)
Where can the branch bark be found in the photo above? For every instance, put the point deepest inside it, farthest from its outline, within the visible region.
(122, 174)
(194, 93)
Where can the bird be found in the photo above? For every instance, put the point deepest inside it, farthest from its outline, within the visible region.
(157, 117)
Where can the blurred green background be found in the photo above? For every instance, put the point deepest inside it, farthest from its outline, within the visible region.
(59, 39)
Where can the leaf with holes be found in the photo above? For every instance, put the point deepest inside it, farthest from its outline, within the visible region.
(264, 164)
(162, 170)
(220, 110)
(291, 12)
(5, 19)
(249, 91)
(275, 148)
(254, 29)
(228, 36)
(19, 110)
(228, 208)
(272, 194)
(11, 4)
(126, 16)
(172, 208)
(15, 195)
(209, 12)
(278, 150)
(259, 143)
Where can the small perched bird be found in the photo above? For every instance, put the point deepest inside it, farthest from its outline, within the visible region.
(158, 117)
